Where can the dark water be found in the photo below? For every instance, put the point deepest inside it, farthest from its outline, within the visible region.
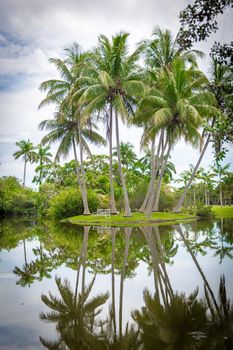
(69, 287)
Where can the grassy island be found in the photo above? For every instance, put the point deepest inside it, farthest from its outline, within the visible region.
(135, 220)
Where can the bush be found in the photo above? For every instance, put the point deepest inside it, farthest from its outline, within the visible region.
(68, 202)
(16, 199)
(204, 211)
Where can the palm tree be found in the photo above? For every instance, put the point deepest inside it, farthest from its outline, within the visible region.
(65, 128)
(175, 106)
(128, 157)
(60, 92)
(111, 84)
(218, 86)
(220, 171)
(27, 151)
(162, 50)
(43, 157)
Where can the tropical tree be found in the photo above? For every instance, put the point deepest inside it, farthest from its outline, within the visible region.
(60, 92)
(174, 107)
(27, 151)
(128, 157)
(220, 77)
(65, 128)
(220, 171)
(43, 158)
(111, 85)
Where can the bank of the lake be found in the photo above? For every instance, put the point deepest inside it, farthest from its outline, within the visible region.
(135, 219)
(223, 212)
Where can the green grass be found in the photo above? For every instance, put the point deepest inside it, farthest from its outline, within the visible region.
(223, 212)
(135, 220)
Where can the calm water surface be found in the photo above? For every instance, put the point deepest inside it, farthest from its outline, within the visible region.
(69, 287)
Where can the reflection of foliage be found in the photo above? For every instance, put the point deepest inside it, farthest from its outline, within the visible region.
(75, 318)
(172, 326)
(186, 322)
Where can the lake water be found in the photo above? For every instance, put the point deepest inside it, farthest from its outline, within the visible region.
(71, 287)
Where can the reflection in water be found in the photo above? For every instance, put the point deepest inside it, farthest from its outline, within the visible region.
(167, 320)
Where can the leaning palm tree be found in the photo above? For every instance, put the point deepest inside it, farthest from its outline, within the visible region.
(112, 83)
(59, 92)
(174, 107)
(220, 81)
(67, 129)
(27, 151)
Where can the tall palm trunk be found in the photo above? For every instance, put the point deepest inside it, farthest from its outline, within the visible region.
(159, 184)
(220, 191)
(154, 170)
(24, 170)
(77, 168)
(156, 192)
(178, 206)
(123, 183)
(84, 190)
(112, 197)
(127, 240)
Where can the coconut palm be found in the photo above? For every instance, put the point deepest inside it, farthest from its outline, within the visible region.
(111, 84)
(68, 130)
(43, 157)
(160, 52)
(59, 92)
(175, 106)
(220, 171)
(162, 49)
(128, 157)
(27, 151)
(220, 77)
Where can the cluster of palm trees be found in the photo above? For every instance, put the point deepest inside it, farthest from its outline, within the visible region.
(168, 96)
(206, 183)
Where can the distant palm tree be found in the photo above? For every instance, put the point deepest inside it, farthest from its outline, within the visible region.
(27, 151)
(220, 171)
(43, 157)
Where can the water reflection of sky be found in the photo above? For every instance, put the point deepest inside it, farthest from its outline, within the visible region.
(20, 324)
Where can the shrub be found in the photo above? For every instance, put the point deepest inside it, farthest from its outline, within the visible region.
(68, 202)
(16, 199)
(204, 211)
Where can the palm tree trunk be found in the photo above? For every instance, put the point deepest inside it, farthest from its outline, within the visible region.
(84, 190)
(127, 240)
(24, 171)
(123, 183)
(220, 191)
(178, 206)
(154, 198)
(77, 167)
(159, 184)
(112, 197)
(154, 170)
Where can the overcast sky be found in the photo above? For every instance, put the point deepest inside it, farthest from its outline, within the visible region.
(31, 31)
